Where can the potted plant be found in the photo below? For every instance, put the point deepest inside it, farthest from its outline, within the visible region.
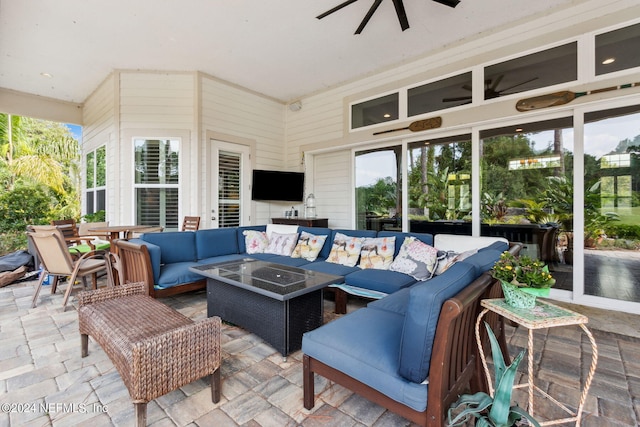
(497, 410)
(522, 279)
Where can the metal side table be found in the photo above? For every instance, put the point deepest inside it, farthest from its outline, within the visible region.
(543, 315)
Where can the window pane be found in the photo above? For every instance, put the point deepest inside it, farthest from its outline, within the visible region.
(89, 200)
(440, 185)
(439, 95)
(101, 166)
(100, 200)
(541, 69)
(378, 189)
(618, 50)
(527, 191)
(157, 206)
(90, 164)
(156, 161)
(612, 203)
(375, 111)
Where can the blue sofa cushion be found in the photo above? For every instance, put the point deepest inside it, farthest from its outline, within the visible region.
(379, 280)
(400, 236)
(214, 242)
(329, 268)
(397, 302)
(421, 320)
(242, 247)
(483, 260)
(498, 246)
(364, 345)
(175, 246)
(177, 273)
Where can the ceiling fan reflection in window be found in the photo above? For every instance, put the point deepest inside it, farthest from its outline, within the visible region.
(402, 15)
(490, 90)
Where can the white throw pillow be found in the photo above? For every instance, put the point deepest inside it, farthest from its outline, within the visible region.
(281, 244)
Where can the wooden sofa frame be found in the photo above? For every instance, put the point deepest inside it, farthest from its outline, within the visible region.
(135, 266)
(455, 366)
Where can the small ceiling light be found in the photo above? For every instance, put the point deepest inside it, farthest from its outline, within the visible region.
(519, 129)
(46, 75)
(386, 115)
(608, 61)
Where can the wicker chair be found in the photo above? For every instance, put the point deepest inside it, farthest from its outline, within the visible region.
(154, 348)
(191, 223)
(57, 261)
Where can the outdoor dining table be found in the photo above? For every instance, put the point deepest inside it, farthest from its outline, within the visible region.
(117, 232)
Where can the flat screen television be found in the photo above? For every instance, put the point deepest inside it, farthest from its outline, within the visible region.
(270, 185)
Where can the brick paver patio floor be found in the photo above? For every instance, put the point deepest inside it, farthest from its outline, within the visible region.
(45, 382)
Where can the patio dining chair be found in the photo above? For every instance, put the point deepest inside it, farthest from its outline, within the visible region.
(191, 223)
(73, 236)
(57, 261)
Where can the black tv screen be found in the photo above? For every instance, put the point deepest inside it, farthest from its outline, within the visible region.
(277, 186)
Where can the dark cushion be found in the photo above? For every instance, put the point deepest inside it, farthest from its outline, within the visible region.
(386, 281)
(421, 319)
(214, 242)
(175, 246)
(397, 302)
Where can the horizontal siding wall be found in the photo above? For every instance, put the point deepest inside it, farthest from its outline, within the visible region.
(246, 117)
(158, 104)
(332, 187)
(100, 129)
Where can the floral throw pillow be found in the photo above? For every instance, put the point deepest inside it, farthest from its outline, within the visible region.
(415, 258)
(345, 250)
(255, 241)
(281, 244)
(445, 260)
(309, 246)
(377, 252)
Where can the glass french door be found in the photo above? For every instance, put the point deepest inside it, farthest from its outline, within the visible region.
(230, 194)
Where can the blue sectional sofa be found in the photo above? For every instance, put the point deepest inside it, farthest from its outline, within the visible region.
(412, 351)
(172, 253)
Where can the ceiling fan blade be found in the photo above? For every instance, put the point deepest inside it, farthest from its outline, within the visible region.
(368, 16)
(519, 84)
(450, 3)
(402, 14)
(456, 99)
(335, 9)
(495, 84)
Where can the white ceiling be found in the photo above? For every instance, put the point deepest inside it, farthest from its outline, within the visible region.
(275, 47)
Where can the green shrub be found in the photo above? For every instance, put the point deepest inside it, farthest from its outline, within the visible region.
(623, 231)
(22, 206)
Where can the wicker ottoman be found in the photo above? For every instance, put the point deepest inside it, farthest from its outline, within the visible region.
(154, 348)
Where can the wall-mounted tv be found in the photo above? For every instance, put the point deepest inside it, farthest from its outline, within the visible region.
(277, 186)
